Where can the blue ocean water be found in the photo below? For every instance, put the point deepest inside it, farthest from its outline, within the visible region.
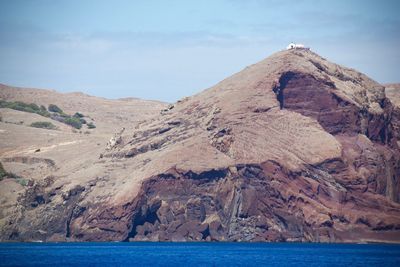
(197, 254)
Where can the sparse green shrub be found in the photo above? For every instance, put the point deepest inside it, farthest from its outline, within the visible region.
(44, 113)
(55, 108)
(22, 181)
(78, 115)
(74, 122)
(32, 108)
(90, 125)
(21, 106)
(43, 124)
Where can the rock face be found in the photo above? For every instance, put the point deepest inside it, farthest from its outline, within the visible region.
(393, 93)
(293, 148)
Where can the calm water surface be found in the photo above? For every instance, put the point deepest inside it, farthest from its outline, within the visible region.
(197, 254)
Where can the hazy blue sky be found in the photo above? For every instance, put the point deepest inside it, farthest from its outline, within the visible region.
(170, 49)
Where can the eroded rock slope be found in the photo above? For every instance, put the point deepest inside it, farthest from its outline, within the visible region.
(293, 148)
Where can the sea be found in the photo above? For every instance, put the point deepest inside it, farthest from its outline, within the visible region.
(198, 254)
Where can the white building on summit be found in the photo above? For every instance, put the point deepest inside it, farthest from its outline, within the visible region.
(296, 46)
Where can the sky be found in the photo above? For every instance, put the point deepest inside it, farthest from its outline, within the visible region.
(166, 50)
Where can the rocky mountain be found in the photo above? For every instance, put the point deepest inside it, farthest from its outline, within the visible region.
(293, 148)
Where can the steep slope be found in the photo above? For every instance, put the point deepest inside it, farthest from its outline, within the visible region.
(293, 148)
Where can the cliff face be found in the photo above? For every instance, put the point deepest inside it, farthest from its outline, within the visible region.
(393, 94)
(293, 148)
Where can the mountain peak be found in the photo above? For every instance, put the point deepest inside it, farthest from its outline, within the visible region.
(285, 108)
(285, 149)
(258, 86)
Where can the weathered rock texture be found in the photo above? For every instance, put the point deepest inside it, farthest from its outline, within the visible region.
(393, 93)
(293, 148)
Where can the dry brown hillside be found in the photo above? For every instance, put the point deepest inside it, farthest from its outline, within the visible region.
(108, 114)
(37, 155)
(293, 148)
